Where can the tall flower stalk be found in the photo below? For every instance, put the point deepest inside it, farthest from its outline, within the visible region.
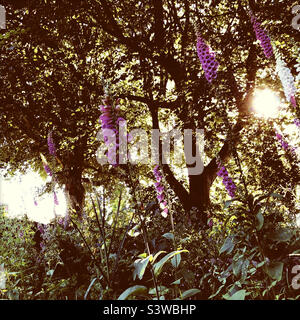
(227, 181)
(284, 144)
(160, 191)
(262, 36)
(207, 58)
(109, 119)
(287, 79)
(51, 144)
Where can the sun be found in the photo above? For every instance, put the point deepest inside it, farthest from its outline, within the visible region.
(266, 103)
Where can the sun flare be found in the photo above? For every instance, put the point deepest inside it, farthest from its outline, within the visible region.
(266, 103)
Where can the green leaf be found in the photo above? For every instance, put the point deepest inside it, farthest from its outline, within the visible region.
(176, 261)
(89, 288)
(274, 270)
(140, 266)
(218, 291)
(237, 266)
(244, 270)
(156, 255)
(135, 290)
(239, 295)
(259, 220)
(158, 266)
(176, 281)
(161, 290)
(276, 195)
(50, 273)
(228, 245)
(189, 293)
(227, 203)
(169, 235)
(281, 235)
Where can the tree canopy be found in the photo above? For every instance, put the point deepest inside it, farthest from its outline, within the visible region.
(60, 59)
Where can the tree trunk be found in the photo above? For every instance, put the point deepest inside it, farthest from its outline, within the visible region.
(75, 191)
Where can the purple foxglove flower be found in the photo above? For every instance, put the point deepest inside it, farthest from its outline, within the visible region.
(262, 36)
(51, 145)
(35, 203)
(227, 181)
(120, 119)
(40, 228)
(160, 189)
(160, 197)
(287, 80)
(293, 101)
(284, 144)
(297, 123)
(165, 212)
(207, 59)
(55, 199)
(104, 108)
(47, 169)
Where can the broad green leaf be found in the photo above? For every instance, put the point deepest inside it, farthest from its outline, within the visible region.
(135, 290)
(156, 255)
(169, 235)
(228, 245)
(176, 261)
(140, 266)
(177, 281)
(158, 266)
(239, 295)
(189, 293)
(237, 266)
(274, 270)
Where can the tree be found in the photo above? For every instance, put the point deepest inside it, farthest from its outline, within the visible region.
(55, 58)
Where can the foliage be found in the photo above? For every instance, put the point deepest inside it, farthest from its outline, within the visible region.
(59, 59)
